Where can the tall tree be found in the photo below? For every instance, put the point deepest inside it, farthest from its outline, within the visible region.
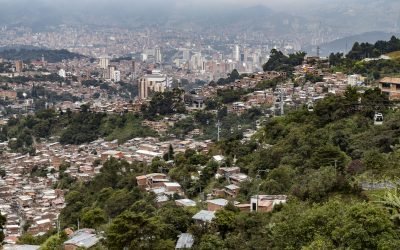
(135, 231)
(2, 223)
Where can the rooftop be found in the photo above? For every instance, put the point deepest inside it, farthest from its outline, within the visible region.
(83, 239)
(20, 247)
(186, 202)
(219, 202)
(390, 80)
(185, 241)
(204, 215)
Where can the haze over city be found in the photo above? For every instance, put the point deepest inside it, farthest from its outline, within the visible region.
(341, 17)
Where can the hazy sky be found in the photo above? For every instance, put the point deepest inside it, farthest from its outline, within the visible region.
(280, 3)
(288, 5)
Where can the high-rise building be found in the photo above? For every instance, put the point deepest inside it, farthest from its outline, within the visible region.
(110, 72)
(155, 82)
(117, 76)
(104, 62)
(157, 55)
(19, 66)
(196, 61)
(236, 53)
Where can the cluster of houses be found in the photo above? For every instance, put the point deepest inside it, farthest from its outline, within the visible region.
(115, 106)
(81, 239)
(29, 197)
(234, 178)
(146, 149)
(291, 94)
(161, 185)
(165, 190)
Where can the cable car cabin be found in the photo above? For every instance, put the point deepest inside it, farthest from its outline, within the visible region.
(310, 107)
(378, 119)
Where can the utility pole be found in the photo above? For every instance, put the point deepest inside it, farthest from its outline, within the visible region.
(336, 161)
(58, 226)
(281, 103)
(218, 130)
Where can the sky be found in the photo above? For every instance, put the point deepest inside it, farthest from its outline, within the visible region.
(281, 5)
(274, 3)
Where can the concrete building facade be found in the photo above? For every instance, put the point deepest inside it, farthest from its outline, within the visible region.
(152, 83)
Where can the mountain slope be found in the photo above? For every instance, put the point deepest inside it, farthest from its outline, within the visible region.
(345, 44)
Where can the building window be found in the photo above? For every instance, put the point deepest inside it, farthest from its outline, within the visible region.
(397, 87)
(386, 85)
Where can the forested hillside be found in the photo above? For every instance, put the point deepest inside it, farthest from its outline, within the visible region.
(51, 56)
(71, 128)
(320, 159)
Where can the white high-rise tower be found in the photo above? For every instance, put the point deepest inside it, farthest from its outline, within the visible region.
(236, 53)
(104, 62)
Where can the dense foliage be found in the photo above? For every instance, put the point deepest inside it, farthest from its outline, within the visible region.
(166, 103)
(37, 78)
(234, 75)
(73, 128)
(353, 63)
(280, 62)
(231, 125)
(364, 50)
(134, 219)
(51, 56)
(319, 159)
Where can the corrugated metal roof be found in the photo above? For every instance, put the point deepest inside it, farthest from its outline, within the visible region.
(20, 247)
(185, 241)
(204, 215)
(83, 239)
(219, 202)
(186, 202)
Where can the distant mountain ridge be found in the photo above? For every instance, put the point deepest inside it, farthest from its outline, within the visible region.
(322, 20)
(345, 44)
